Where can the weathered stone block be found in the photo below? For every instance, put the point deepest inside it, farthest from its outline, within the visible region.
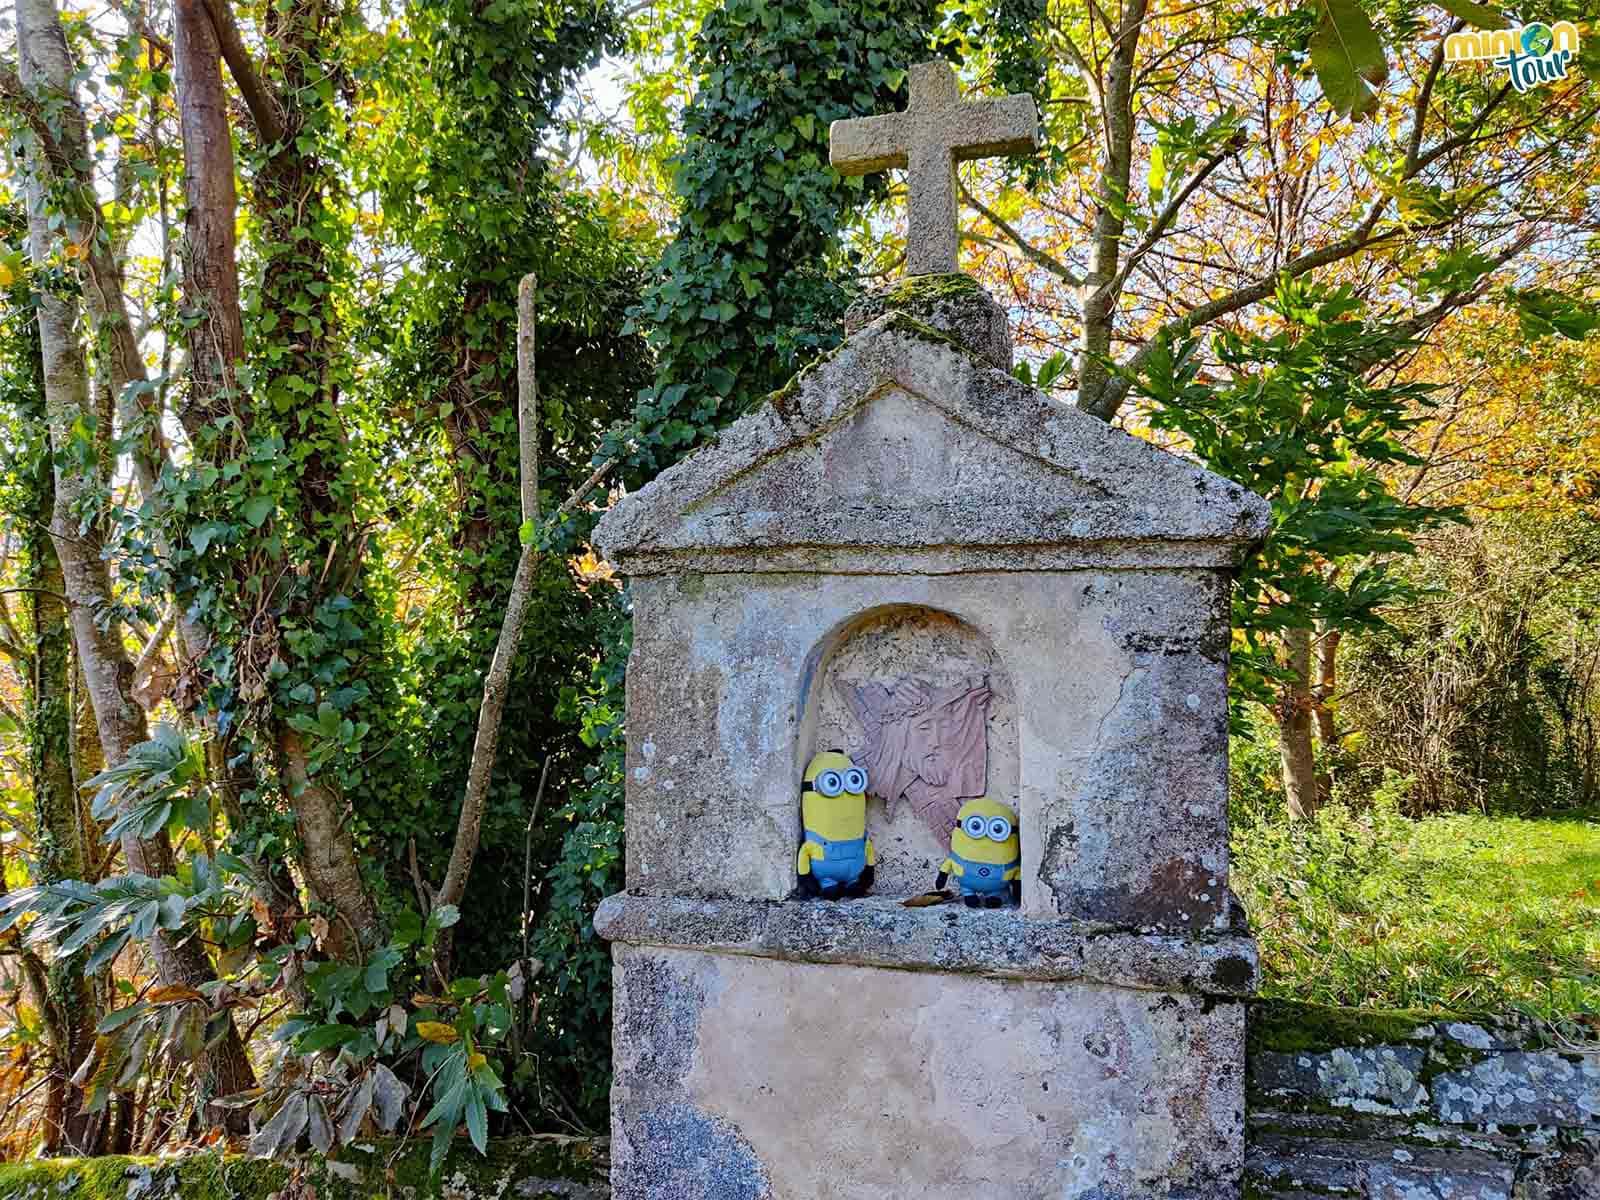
(748, 1079)
(1522, 1088)
(907, 520)
(1376, 1079)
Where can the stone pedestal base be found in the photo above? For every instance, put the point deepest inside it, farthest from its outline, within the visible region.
(744, 1074)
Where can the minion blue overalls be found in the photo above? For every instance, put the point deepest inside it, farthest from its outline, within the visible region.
(842, 862)
(982, 879)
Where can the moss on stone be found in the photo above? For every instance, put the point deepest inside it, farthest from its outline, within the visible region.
(381, 1168)
(925, 289)
(904, 322)
(1290, 1027)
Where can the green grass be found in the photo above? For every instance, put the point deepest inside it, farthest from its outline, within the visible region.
(1461, 913)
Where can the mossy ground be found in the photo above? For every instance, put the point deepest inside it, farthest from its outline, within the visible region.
(1286, 1027)
(381, 1170)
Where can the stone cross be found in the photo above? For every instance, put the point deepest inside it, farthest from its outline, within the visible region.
(937, 130)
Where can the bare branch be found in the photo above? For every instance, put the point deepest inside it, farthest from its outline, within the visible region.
(1033, 254)
(528, 397)
(1424, 95)
(1168, 214)
(258, 98)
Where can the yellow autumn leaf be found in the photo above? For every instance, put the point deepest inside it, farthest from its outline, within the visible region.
(475, 1060)
(7, 275)
(172, 993)
(438, 1032)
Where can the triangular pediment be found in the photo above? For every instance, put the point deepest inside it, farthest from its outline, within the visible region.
(903, 441)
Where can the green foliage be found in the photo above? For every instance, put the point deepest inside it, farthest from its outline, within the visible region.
(1483, 691)
(150, 790)
(573, 1045)
(1348, 57)
(472, 92)
(1295, 418)
(1372, 910)
(544, 1168)
(1347, 53)
(754, 283)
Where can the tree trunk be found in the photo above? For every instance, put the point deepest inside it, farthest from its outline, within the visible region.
(210, 273)
(66, 998)
(1110, 223)
(215, 340)
(1322, 706)
(45, 69)
(1293, 715)
(292, 190)
(69, 998)
(328, 853)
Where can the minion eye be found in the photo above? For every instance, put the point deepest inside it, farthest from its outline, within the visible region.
(976, 826)
(830, 783)
(855, 780)
(999, 829)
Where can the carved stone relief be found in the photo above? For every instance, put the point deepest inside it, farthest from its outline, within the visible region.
(920, 700)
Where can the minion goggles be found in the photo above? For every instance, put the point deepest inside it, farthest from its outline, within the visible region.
(996, 829)
(832, 783)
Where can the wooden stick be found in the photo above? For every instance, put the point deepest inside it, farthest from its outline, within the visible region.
(528, 398)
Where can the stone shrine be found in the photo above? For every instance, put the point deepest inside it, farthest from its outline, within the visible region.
(908, 554)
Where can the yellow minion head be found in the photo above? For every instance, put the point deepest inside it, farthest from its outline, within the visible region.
(986, 832)
(833, 800)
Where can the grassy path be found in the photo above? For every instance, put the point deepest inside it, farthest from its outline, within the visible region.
(1462, 912)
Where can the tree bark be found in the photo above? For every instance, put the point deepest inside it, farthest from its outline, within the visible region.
(1322, 706)
(291, 189)
(210, 273)
(327, 852)
(67, 999)
(491, 710)
(1293, 715)
(45, 69)
(1110, 222)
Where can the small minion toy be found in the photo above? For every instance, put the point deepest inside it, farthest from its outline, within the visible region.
(836, 856)
(985, 854)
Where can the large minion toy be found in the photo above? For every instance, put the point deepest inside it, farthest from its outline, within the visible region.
(985, 854)
(836, 855)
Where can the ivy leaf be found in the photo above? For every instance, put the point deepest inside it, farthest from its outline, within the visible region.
(1347, 56)
(256, 510)
(325, 1037)
(201, 536)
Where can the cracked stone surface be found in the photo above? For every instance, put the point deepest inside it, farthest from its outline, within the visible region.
(741, 1077)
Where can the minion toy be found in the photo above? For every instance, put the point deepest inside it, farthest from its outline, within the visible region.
(985, 854)
(836, 855)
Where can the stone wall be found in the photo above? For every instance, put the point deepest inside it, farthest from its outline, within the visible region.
(1403, 1107)
(1370, 1106)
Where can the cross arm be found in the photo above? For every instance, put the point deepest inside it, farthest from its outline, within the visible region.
(987, 128)
(864, 145)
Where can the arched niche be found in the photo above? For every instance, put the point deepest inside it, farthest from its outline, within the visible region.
(933, 686)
